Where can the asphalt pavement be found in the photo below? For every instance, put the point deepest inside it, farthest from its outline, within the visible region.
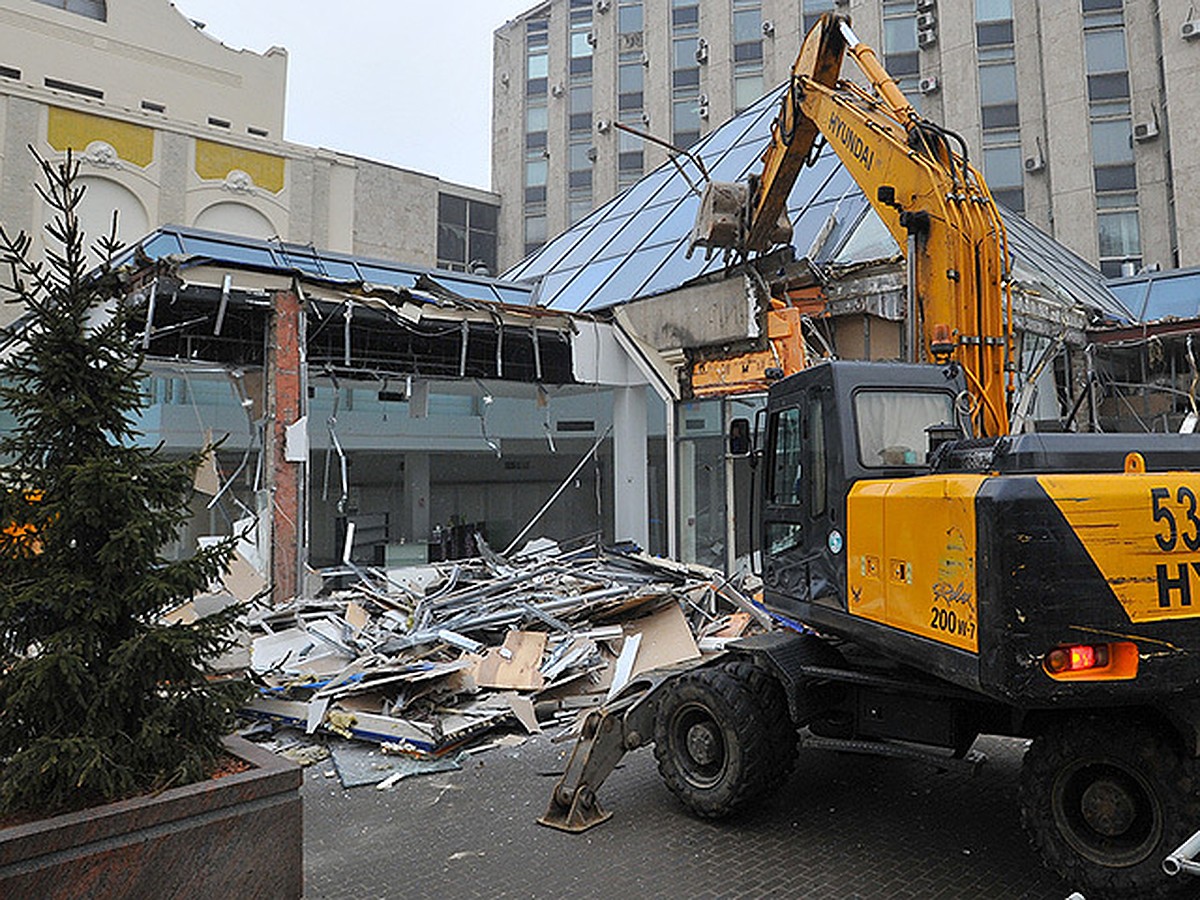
(843, 827)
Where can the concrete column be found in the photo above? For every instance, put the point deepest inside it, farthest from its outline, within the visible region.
(285, 480)
(416, 497)
(631, 515)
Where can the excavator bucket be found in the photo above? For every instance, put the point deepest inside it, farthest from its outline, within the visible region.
(719, 223)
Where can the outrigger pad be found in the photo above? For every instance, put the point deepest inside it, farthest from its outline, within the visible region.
(578, 817)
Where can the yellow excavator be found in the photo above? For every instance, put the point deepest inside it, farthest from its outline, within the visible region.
(935, 577)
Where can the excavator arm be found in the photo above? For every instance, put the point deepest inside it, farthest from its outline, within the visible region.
(917, 177)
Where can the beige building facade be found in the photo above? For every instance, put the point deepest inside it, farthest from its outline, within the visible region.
(170, 126)
(1079, 111)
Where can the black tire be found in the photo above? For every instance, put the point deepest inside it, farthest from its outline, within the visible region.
(1105, 800)
(723, 737)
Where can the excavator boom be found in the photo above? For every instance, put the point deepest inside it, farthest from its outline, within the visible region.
(917, 177)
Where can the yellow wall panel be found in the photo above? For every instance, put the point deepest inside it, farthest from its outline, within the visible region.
(72, 130)
(215, 161)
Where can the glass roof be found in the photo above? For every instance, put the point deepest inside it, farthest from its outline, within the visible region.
(324, 264)
(635, 245)
(1174, 294)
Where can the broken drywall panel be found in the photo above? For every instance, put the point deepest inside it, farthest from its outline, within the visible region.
(514, 665)
(296, 441)
(665, 638)
(625, 662)
(273, 650)
(207, 480)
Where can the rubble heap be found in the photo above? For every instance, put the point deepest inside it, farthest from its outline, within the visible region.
(426, 661)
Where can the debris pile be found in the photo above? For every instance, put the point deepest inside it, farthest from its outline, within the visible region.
(428, 661)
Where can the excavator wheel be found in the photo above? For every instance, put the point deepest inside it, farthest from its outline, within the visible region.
(1105, 800)
(722, 737)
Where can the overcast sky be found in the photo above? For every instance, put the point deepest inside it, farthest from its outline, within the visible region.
(407, 82)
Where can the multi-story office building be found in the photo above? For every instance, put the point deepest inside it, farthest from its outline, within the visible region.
(170, 126)
(1078, 110)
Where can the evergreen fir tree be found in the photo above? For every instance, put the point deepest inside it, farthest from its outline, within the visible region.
(98, 700)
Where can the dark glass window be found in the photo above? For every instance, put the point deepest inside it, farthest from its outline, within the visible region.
(988, 34)
(899, 64)
(92, 9)
(1000, 116)
(684, 16)
(752, 52)
(466, 233)
(1112, 86)
(1115, 178)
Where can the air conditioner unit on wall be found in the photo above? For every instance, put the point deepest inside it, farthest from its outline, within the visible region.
(926, 38)
(768, 28)
(1190, 30)
(1034, 163)
(602, 6)
(926, 5)
(926, 20)
(929, 84)
(591, 38)
(701, 51)
(1145, 131)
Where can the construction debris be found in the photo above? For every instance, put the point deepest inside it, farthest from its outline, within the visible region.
(427, 662)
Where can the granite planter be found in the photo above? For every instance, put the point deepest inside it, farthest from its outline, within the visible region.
(234, 837)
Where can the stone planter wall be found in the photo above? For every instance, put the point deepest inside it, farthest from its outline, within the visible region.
(240, 836)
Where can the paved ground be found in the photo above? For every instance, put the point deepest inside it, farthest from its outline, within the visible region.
(843, 827)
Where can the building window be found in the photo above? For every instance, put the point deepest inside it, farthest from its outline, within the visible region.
(537, 123)
(1114, 175)
(687, 51)
(466, 234)
(92, 9)
(999, 112)
(631, 99)
(630, 18)
(580, 152)
(901, 56)
(747, 53)
(812, 11)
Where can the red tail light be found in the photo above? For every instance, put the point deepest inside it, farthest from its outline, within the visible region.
(1077, 658)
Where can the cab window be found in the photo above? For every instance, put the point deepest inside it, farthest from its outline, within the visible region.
(891, 425)
(788, 456)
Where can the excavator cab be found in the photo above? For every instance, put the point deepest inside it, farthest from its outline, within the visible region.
(829, 427)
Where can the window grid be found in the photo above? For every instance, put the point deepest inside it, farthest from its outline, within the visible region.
(747, 53)
(580, 152)
(686, 52)
(1003, 163)
(1106, 62)
(537, 57)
